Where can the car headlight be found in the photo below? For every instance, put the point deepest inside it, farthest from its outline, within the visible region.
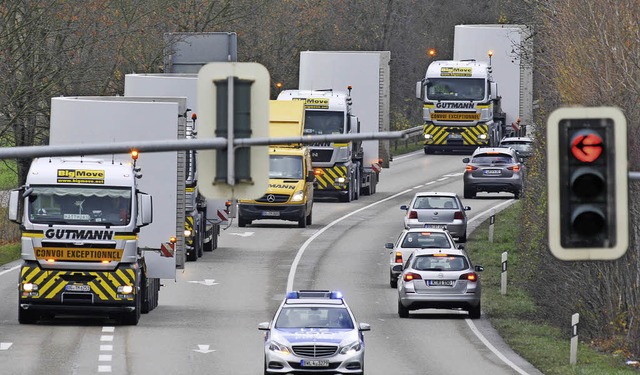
(275, 346)
(298, 196)
(29, 287)
(352, 348)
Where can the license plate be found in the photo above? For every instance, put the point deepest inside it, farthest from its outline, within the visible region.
(77, 288)
(314, 363)
(435, 226)
(440, 282)
(492, 172)
(455, 136)
(270, 213)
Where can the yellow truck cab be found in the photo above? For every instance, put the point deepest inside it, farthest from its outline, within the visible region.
(291, 178)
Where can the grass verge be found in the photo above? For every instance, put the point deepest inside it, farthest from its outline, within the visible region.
(514, 314)
(9, 253)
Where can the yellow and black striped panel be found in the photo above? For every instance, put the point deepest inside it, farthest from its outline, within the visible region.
(52, 283)
(326, 180)
(469, 133)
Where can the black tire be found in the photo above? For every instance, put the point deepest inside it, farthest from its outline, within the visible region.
(26, 316)
(516, 194)
(403, 312)
(358, 184)
(133, 317)
(302, 222)
(463, 238)
(469, 193)
(427, 151)
(475, 312)
(309, 218)
(393, 281)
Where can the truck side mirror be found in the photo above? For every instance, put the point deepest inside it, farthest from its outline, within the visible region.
(494, 90)
(419, 90)
(311, 177)
(145, 209)
(14, 206)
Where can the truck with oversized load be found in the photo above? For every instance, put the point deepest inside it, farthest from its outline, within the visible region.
(468, 101)
(352, 89)
(511, 61)
(89, 244)
(290, 192)
(204, 217)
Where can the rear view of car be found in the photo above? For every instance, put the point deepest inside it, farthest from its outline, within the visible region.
(522, 145)
(313, 331)
(437, 210)
(441, 280)
(493, 170)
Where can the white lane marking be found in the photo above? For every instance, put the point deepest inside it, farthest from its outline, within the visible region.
(296, 260)
(442, 179)
(204, 349)
(106, 348)
(106, 338)
(104, 357)
(207, 282)
(108, 329)
(417, 187)
(474, 329)
(104, 368)
(429, 183)
(9, 270)
(404, 156)
(243, 234)
(5, 345)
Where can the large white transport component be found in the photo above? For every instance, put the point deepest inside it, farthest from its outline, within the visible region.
(204, 217)
(512, 63)
(368, 73)
(85, 120)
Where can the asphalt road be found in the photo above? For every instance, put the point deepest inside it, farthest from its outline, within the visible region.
(207, 318)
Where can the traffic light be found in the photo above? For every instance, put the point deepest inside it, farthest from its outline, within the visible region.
(233, 102)
(588, 183)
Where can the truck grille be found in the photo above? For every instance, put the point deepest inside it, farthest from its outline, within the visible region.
(277, 198)
(321, 156)
(315, 351)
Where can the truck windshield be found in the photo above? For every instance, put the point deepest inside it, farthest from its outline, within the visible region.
(455, 89)
(281, 166)
(79, 205)
(323, 122)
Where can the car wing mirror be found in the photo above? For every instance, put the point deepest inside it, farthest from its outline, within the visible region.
(461, 247)
(404, 207)
(388, 245)
(264, 326)
(479, 268)
(466, 160)
(467, 208)
(364, 327)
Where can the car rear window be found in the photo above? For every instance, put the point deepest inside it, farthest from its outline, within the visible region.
(421, 240)
(492, 159)
(433, 202)
(440, 263)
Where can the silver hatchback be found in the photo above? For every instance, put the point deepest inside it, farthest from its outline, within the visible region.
(439, 279)
(493, 170)
(437, 210)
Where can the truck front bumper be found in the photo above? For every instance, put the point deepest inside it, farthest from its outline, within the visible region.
(277, 212)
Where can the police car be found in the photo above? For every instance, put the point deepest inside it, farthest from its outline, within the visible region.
(314, 331)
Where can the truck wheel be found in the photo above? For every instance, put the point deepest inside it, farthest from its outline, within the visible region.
(358, 184)
(26, 316)
(427, 150)
(516, 194)
(132, 318)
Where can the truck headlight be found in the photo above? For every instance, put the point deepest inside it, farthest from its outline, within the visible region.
(341, 180)
(125, 289)
(298, 196)
(29, 287)
(428, 136)
(187, 233)
(483, 137)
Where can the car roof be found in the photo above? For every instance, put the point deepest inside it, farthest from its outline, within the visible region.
(432, 230)
(486, 150)
(452, 251)
(435, 193)
(314, 297)
(516, 139)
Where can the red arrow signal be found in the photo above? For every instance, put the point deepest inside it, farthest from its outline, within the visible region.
(587, 147)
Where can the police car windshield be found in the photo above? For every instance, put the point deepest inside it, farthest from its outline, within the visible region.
(323, 122)
(281, 166)
(455, 89)
(79, 205)
(314, 317)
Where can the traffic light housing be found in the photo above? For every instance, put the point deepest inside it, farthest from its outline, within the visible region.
(588, 183)
(233, 102)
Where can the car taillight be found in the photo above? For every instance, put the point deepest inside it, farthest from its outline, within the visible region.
(514, 168)
(470, 168)
(412, 276)
(413, 215)
(398, 257)
(458, 215)
(472, 276)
